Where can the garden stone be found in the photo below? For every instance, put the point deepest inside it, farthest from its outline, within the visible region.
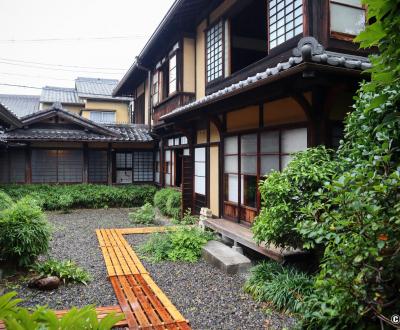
(45, 283)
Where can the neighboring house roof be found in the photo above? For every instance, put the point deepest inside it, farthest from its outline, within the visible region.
(51, 94)
(97, 88)
(8, 119)
(20, 105)
(89, 131)
(308, 51)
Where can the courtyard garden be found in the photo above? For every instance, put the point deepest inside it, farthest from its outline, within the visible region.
(62, 242)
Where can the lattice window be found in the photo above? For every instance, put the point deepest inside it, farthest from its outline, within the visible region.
(97, 167)
(106, 117)
(215, 52)
(200, 171)
(157, 167)
(70, 166)
(143, 166)
(285, 20)
(156, 88)
(172, 75)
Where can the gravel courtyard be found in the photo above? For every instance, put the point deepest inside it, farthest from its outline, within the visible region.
(209, 298)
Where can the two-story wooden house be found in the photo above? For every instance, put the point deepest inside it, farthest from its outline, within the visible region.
(232, 88)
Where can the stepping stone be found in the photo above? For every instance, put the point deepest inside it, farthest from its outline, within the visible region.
(225, 258)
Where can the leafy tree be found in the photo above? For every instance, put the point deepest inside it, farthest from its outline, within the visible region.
(357, 215)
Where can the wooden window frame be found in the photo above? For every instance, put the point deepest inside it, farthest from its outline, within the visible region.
(174, 54)
(209, 28)
(155, 88)
(341, 35)
(102, 112)
(259, 154)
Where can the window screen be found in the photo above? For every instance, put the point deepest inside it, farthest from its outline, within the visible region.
(44, 166)
(214, 52)
(70, 166)
(285, 20)
(97, 167)
(142, 166)
(17, 166)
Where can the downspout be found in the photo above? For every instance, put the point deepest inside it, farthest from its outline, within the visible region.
(141, 67)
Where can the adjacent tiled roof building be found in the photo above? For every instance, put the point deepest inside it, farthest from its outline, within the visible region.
(96, 88)
(51, 94)
(20, 105)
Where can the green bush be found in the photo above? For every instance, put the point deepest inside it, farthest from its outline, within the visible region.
(5, 201)
(157, 247)
(285, 193)
(144, 215)
(187, 219)
(183, 244)
(160, 199)
(186, 244)
(24, 232)
(67, 271)
(284, 288)
(168, 201)
(357, 216)
(173, 206)
(16, 317)
(65, 197)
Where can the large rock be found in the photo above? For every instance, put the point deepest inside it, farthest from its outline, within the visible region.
(45, 283)
(225, 258)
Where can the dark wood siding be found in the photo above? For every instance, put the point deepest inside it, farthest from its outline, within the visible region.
(187, 183)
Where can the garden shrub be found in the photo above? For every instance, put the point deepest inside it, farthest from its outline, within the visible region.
(187, 243)
(66, 271)
(173, 206)
(183, 244)
(357, 215)
(284, 288)
(187, 219)
(5, 201)
(24, 232)
(65, 197)
(285, 193)
(156, 248)
(16, 317)
(144, 215)
(168, 201)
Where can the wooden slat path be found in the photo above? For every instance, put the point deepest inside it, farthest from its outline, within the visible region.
(102, 312)
(144, 304)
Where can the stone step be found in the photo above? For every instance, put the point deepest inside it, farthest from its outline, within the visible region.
(225, 258)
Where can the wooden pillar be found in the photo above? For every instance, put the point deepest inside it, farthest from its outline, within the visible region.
(109, 165)
(28, 164)
(85, 178)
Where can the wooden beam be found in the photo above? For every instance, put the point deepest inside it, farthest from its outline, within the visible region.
(109, 165)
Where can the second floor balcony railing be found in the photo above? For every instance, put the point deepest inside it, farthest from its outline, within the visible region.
(172, 102)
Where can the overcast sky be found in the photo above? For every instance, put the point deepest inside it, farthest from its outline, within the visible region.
(99, 35)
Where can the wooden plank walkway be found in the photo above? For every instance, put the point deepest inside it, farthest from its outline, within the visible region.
(144, 304)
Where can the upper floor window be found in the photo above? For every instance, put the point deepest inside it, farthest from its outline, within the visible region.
(156, 88)
(106, 117)
(215, 52)
(347, 16)
(172, 75)
(285, 20)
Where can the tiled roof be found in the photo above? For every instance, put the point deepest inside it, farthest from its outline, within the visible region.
(88, 131)
(127, 134)
(51, 94)
(97, 88)
(20, 105)
(308, 50)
